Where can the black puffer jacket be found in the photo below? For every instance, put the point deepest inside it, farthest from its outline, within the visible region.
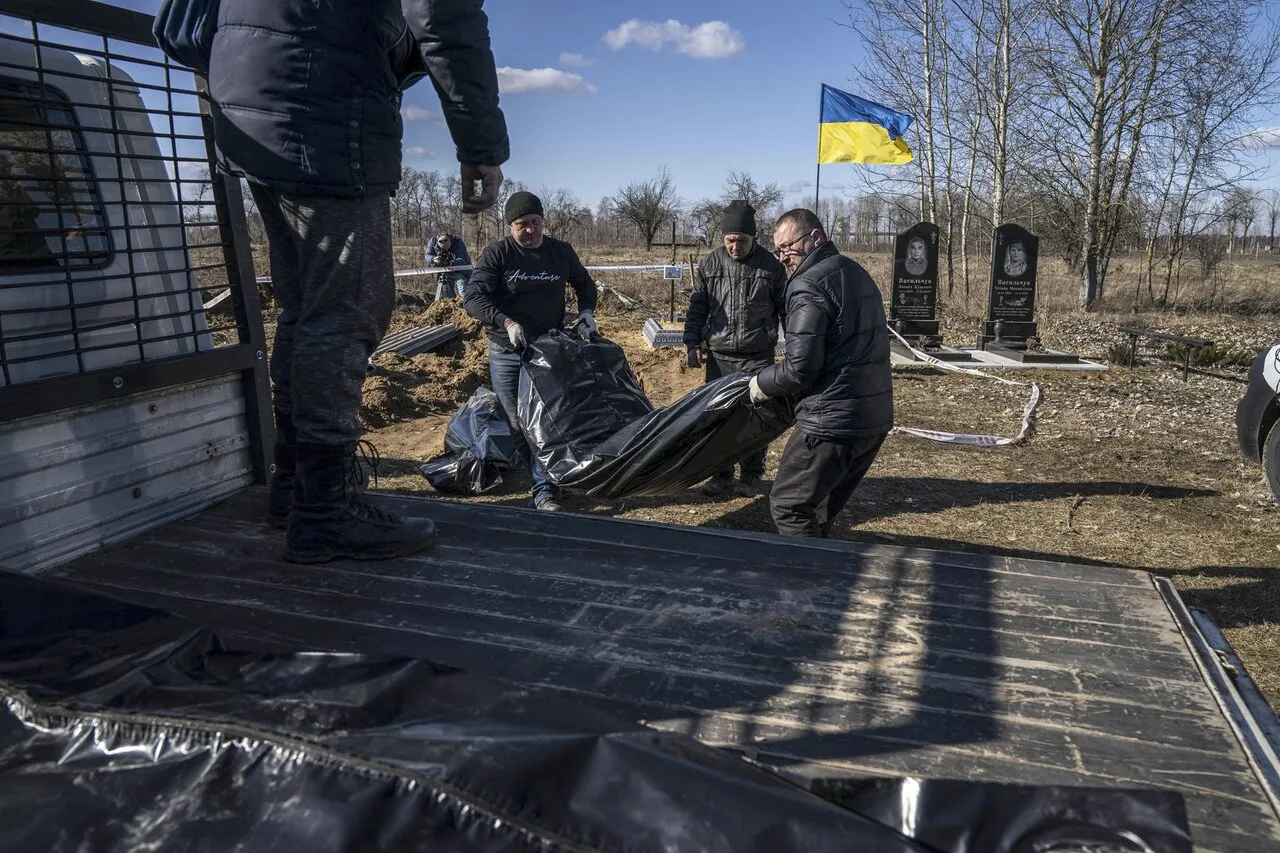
(736, 305)
(837, 361)
(306, 98)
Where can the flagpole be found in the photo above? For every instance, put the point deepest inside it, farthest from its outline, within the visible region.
(817, 178)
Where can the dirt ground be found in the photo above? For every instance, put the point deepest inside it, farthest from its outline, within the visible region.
(1131, 468)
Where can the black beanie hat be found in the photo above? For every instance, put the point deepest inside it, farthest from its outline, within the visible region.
(522, 204)
(739, 218)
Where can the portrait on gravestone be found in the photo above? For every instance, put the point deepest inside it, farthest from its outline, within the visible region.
(1015, 260)
(917, 262)
(914, 294)
(1013, 277)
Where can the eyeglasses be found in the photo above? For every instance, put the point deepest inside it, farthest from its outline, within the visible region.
(791, 247)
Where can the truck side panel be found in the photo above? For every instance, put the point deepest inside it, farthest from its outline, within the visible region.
(72, 481)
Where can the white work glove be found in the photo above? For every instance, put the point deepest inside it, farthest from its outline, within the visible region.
(515, 334)
(586, 324)
(753, 391)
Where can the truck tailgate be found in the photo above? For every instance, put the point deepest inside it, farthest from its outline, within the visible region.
(823, 659)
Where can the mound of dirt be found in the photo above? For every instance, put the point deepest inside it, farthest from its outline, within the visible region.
(436, 382)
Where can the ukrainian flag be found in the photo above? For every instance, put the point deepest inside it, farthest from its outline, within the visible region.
(855, 130)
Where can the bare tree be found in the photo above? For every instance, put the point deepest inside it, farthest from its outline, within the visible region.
(605, 221)
(648, 204)
(704, 219)
(1197, 150)
(1271, 205)
(765, 199)
(1102, 64)
(901, 42)
(1239, 210)
(564, 212)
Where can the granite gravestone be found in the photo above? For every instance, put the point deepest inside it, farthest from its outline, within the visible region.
(1011, 309)
(1010, 330)
(913, 298)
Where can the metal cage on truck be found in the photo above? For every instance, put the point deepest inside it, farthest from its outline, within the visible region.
(133, 384)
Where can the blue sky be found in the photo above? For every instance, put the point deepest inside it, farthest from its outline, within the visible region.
(696, 86)
(598, 95)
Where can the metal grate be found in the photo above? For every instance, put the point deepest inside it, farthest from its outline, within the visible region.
(124, 256)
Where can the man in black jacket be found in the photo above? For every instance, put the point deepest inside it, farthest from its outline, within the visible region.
(517, 291)
(735, 308)
(306, 105)
(836, 369)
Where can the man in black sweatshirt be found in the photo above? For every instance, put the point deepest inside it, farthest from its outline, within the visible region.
(517, 291)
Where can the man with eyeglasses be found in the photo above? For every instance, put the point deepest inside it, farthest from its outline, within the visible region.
(734, 311)
(836, 370)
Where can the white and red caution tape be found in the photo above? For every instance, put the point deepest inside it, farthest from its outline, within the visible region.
(1028, 411)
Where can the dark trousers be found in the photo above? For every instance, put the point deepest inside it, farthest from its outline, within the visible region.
(815, 480)
(331, 271)
(718, 365)
(504, 374)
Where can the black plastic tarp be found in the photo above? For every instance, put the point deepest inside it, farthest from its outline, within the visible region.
(479, 445)
(958, 816)
(595, 432)
(124, 728)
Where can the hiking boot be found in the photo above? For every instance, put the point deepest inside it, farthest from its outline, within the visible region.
(717, 485)
(330, 520)
(747, 487)
(280, 491)
(548, 505)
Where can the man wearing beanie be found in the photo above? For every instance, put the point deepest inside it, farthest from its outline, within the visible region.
(517, 292)
(734, 312)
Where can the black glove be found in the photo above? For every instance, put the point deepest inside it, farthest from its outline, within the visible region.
(692, 357)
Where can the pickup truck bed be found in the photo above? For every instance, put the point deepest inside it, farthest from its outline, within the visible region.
(820, 659)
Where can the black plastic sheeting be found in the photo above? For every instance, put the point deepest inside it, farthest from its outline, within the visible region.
(479, 445)
(595, 432)
(575, 394)
(125, 728)
(953, 816)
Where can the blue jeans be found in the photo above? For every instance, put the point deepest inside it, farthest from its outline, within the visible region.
(451, 285)
(504, 375)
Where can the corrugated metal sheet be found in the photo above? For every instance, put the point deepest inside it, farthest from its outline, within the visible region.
(73, 481)
(418, 339)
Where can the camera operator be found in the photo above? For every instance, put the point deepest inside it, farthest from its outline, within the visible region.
(448, 250)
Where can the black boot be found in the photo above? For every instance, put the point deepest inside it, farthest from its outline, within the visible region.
(329, 519)
(280, 492)
(749, 486)
(718, 485)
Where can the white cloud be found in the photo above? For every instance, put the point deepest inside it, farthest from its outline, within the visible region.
(1262, 139)
(416, 113)
(799, 186)
(710, 40)
(513, 81)
(419, 152)
(575, 60)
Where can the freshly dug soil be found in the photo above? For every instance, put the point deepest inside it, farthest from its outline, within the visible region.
(429, 383)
